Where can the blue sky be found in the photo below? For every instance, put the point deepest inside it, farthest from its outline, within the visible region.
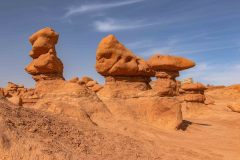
(207, 31)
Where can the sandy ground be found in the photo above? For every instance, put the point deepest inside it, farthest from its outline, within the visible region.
(211, 134)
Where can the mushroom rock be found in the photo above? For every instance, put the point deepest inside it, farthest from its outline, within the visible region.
(127, 92)
(45, 65)
(193, 97)
(194, 92)
(122, 69)
(166, 69)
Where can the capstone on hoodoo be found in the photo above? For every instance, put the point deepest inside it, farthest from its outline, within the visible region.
(166, 70)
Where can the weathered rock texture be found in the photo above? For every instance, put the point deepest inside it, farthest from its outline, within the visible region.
(166, 70)
(19, 95)
(70, 99)
(114, 59)
(88, 82)
(76, 100)
(127, 92)
(122, 69)
(193, 97)
(45, 65)
(194, 92)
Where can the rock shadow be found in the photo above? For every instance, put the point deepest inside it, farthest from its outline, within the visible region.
(185, 124)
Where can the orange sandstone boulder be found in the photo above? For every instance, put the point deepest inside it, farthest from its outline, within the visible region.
(193, 87)
(114, 59)
(45, 65)
(169, 63)
(42, 41)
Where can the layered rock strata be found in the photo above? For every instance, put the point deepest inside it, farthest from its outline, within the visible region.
(193, 97)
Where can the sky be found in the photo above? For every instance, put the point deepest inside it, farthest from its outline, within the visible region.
(206, 31)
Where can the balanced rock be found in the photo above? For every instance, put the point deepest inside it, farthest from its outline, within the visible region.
(193, 97)
(127, 92)
(169, 63)
(122, 69)
(166, 70)
(45, 65)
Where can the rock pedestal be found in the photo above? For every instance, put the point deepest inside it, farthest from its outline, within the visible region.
(122, 69)
(166, 70)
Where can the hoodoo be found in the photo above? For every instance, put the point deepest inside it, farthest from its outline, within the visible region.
(166, 70)
(122, 69)
(193, 97)
(127, 92)
(54, 93)
(45, 65)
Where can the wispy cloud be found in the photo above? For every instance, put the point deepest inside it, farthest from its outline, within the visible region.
(98, 7)
(217, 74)
(109, 25)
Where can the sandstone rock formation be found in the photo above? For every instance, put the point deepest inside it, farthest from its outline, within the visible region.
(54, 94)
(114, 59)
(194, 92)
(166, 70)
(70, 99)
(127, 92)
(193, 97)
(19, 95)
(88, 82)
(45, 65)
(13, 93)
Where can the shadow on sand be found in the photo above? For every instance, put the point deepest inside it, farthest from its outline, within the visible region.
(185, 124)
